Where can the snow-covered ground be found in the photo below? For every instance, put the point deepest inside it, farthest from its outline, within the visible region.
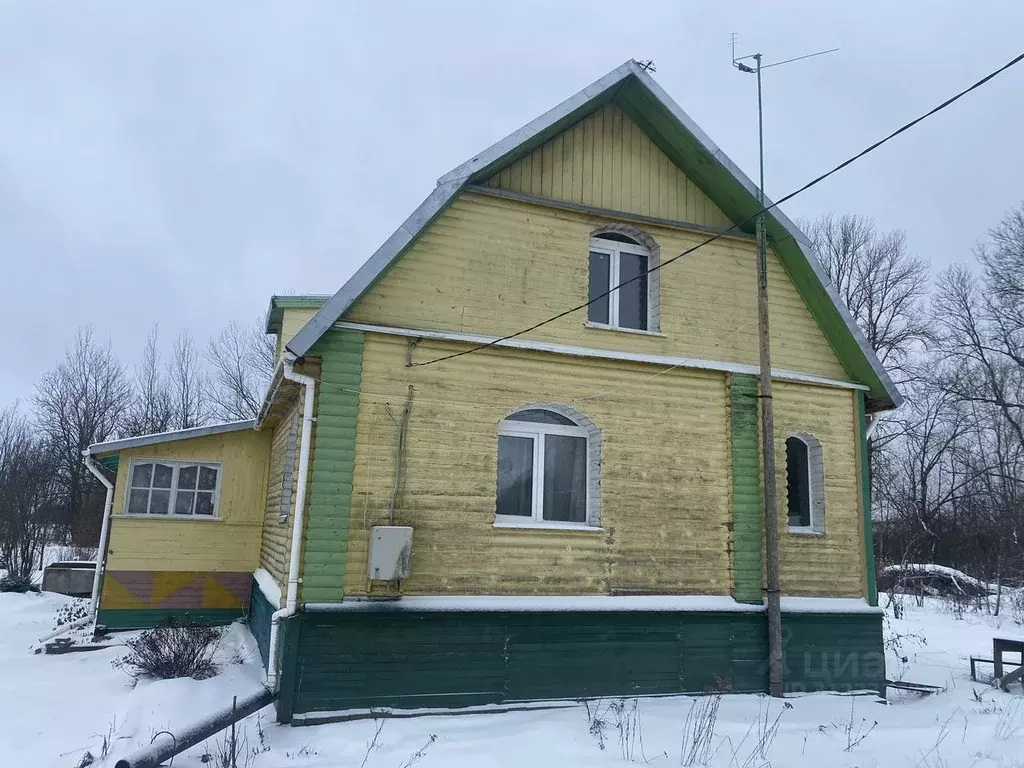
(55, 708)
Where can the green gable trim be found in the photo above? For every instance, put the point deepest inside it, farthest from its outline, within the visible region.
(152, 617)
(278, 304)
(325, 554)
(110, 462)
(746, 491)
(865, 479)
(347, 661)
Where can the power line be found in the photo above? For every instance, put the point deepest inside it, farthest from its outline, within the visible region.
(737, 225)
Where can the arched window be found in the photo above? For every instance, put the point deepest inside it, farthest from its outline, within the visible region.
(548, 466)
(805, 484)
(617, 254)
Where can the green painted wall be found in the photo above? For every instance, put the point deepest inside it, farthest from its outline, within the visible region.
(404, 659)
(869, 537)
(334, 451)
(152, 617)
(746, 491)
(260, 614)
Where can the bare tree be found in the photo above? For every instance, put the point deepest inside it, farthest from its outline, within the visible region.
(982, 324)
(26, 494)
(83, 400)
(883, 286)
(151, 410)
(188, 385)
(242, 360)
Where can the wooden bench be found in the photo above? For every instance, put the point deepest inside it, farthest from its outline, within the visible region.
(1001, 645)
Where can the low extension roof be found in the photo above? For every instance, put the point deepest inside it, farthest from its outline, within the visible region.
(679, 137)
(116, 446)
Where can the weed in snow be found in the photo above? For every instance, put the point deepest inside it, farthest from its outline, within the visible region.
(1011, 720)
(378, 726)
(416, 756)
(596, 722)
(766, 733)
(699, 730)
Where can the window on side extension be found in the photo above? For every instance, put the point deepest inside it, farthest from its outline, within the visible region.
(614, 260)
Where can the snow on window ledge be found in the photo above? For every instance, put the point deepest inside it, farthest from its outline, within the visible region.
(620, 329)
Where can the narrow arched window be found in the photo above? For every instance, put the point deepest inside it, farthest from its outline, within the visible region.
(615, 259)
(805, 484)
(547, 465)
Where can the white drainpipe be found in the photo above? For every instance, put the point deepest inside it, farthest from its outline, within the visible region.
(101, 552)
(872, 420)
(291, 602)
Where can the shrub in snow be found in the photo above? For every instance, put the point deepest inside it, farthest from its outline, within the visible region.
(13, 583)
(69, 612)
(172, 650)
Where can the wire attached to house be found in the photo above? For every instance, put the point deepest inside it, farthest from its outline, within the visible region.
(739, 224)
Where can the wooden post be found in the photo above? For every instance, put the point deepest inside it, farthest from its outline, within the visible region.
(776, 685)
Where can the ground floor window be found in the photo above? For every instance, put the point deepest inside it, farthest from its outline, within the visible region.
(173, 488)
(805, 484)
(543, 462)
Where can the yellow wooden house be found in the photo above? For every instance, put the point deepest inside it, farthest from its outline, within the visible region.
(516, 456)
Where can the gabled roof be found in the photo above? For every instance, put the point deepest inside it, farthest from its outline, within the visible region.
(679, 137)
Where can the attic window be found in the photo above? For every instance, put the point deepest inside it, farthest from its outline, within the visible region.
(616, 259)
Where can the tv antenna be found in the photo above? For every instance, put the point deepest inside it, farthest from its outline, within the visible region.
(771, 512)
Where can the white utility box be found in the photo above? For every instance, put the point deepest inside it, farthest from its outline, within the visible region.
(390, 552)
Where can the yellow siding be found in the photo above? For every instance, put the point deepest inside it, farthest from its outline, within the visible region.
(664, 498)
(665, 480)
(607, 161)
(493, 266)
(277, 536)
(832, 564)
(167, 544)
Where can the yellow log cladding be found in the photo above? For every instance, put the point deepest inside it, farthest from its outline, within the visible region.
(607, 161)
(278, 515)
(833, 563)
(665, 487)
(292, 321)
(228, 544)
(493, 266)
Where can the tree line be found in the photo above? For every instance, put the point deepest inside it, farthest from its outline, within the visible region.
(91, 396)
(948, 466)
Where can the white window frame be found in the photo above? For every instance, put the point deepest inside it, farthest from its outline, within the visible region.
(537, 433)
(613, 248)
(815, 494)
(176, 465)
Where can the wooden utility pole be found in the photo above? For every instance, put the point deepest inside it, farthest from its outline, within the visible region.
(776, 683)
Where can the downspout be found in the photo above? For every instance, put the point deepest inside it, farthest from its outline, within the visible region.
(298, 514)
(872, 420)
(101, 553)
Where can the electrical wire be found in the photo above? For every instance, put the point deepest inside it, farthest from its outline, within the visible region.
(739, 224)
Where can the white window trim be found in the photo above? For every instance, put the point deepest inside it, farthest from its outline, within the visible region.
(815, 494)
(613, 248)
(536, 432)
(175, 465)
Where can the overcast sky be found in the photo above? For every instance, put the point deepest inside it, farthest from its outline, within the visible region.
(180, 162)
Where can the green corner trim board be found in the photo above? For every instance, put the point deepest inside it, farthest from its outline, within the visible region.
(746, 491)
(865, 472)
(351, 661)
(325, 553)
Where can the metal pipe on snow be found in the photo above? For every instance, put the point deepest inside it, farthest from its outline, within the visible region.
(291, 601)
(166, 745)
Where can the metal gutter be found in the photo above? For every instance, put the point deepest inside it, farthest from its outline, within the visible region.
(169, 437)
